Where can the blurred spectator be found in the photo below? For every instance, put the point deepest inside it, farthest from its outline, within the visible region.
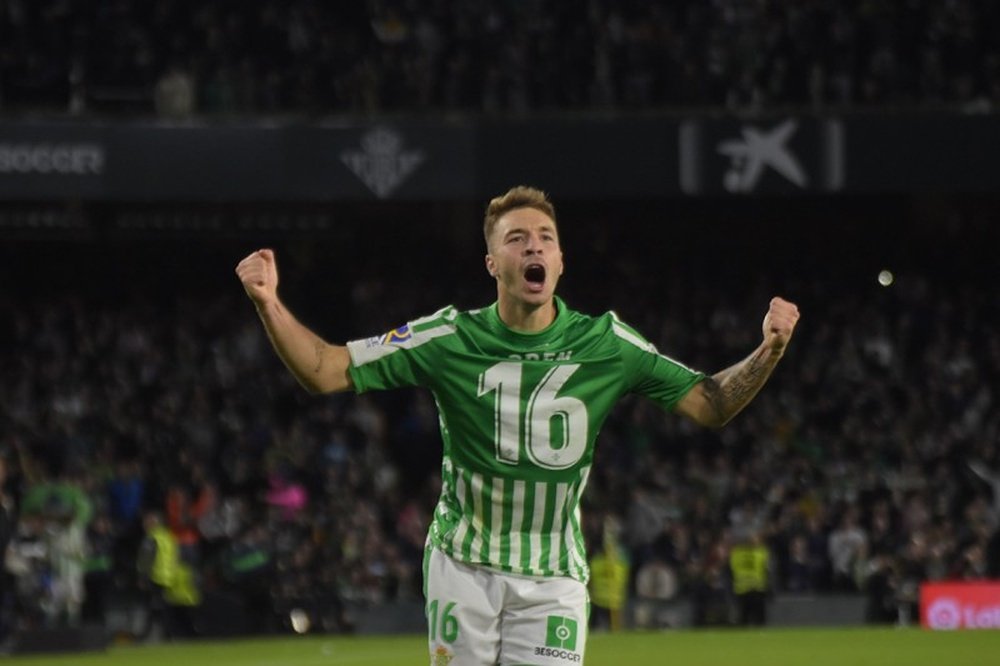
(846, 543)
(8, 528)
(66, 545)
(126, 495)
(172, 591)
(247, 567)
(174, 96)
(27, 561)
(286, 495)
(878, 578)
(656, 586)
(98, 568)
(609, 570)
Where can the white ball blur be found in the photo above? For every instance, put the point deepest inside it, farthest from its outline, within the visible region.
(886, 278)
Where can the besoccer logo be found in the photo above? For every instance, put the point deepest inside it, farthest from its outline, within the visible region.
(944, 614)
(561, 633)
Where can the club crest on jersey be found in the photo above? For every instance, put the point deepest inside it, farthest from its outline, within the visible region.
(397, 335)
(441, 656)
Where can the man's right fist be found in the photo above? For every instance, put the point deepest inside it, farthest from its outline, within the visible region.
(259, 275)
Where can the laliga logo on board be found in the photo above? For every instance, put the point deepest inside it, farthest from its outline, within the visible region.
(948, 614)
(944, 614)
(987, 617)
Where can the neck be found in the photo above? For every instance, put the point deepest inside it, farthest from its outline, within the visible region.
(527, 318)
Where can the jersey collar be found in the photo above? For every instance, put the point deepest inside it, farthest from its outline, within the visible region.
(531, 339)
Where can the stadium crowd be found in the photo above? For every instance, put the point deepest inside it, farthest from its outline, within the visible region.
(179, 57)
(868, 464)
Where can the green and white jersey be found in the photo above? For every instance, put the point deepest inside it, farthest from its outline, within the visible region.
(519, 414)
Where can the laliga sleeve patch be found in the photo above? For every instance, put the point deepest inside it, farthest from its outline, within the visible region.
(397, 336)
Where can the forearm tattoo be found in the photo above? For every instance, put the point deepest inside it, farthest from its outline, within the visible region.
(738, 384)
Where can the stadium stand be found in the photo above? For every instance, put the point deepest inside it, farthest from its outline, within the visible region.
(180, 57)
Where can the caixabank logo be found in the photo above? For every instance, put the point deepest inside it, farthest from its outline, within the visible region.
(778, 155)
(561, 636)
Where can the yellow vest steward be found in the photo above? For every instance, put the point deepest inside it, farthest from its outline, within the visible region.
(608, 581)
(169, 572)
(748, 564)
(167, 557)
(184, 591)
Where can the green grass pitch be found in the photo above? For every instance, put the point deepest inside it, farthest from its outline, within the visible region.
(770, 647)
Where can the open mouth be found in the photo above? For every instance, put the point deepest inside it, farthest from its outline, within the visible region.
(534, 275)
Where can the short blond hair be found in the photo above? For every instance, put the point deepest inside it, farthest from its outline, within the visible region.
(521, 196)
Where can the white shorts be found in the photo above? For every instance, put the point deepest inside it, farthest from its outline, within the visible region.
(482, 617)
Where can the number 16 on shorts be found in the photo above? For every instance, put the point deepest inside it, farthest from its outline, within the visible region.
(446, 622)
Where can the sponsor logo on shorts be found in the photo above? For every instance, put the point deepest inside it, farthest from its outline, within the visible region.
(561, 632)
(560, 639)
(441, 656)
(558, 654)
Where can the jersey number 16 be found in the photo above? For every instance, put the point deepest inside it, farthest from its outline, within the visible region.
(554, 427)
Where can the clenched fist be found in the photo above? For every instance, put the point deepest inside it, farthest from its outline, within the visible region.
(779, 323)
(259, 274)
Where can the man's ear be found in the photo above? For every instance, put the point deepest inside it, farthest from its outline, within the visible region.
(491, 266)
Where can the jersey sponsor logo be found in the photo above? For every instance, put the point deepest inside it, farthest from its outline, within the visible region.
(396, 336)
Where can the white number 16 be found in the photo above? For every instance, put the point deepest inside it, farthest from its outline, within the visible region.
(542, 407)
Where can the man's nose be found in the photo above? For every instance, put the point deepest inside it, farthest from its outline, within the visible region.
(533, 244)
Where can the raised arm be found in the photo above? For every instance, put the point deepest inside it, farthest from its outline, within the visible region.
(717, 399)
(319, 366)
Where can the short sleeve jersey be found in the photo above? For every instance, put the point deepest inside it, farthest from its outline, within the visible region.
(519, 414)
